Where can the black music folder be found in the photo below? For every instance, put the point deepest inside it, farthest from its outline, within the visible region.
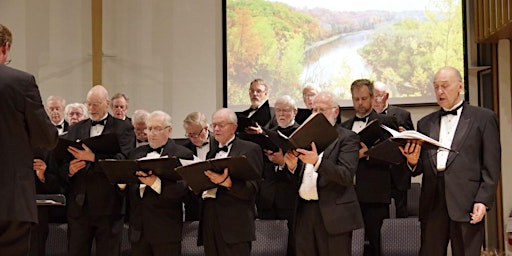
(371, 133)
(302, 115)
(261, 139)
(315, 129)
(386, 151)
(101, 144)
(262, 116)
(123, 171)
(238, 166)
(51, 199)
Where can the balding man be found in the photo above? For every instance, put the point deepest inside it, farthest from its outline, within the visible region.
(328, 210)
(226, 226)
(94, 204)
(458, 186)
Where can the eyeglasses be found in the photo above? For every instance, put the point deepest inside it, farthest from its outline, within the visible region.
(322, 110)
(195, 135)
(221, 126)
(256, 91)
(155, 129)
(379, 98)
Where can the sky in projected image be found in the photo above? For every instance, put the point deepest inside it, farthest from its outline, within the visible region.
(290, 43)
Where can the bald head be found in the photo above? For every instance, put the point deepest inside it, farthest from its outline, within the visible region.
(448, 86)
(97, 102)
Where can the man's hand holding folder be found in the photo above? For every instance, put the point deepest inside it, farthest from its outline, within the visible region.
(204, 175)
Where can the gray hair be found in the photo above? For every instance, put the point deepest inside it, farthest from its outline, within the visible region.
(139, 116)
(287, 100)
(69, 106)
(160, 114)
(196, 118)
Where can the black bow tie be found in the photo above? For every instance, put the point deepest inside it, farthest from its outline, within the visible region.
(450, 112)
(59, 126)
(157, 150)
(361, 119)
(101, 122)
(225, 148)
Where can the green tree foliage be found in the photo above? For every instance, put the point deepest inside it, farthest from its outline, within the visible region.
(406, 55)
(267, 40)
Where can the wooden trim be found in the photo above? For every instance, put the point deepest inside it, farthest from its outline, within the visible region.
(97, 40)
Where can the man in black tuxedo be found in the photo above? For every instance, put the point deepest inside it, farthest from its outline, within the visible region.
(94, 204)
(119, 106)
(278, 189)
(227, 224)
(400, 176)
(259, 111)
(139, 119)
(328, 210)
(199, 141)
(458, 185)
(373, 177)
(55, 106)
(156, 215)
(25, 126)
(75, 112)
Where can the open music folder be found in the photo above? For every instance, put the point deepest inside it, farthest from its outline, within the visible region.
(101, 144)
(51, 199)
(238, 166)
(123, 171)
(315, 129)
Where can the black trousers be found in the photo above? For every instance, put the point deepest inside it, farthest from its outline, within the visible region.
(311, 237)
(146, 248)
(214, 244)
(373, 216)
(400, 197)
(39, 232)
(15, 237)
(105, 230)
(466, 239)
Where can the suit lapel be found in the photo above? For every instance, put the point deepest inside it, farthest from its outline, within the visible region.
(109, 126)
(460, 135)
(435, 127)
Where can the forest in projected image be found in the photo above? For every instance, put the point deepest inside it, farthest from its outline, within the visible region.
(290, 43)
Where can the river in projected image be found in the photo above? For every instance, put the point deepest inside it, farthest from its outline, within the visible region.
(335, 59)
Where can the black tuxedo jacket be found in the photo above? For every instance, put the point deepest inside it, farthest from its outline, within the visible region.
(337, 197)
(270, 122)
(401, 175)
(25, 126)
(90, 186)
(373, 178)
(402, 116)
(473, 167)
(278, 187)
(158, 217)
(235, 207)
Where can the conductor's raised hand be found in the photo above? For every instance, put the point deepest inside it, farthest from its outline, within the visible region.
(86, 154)
(411, 151)
(308, 156)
